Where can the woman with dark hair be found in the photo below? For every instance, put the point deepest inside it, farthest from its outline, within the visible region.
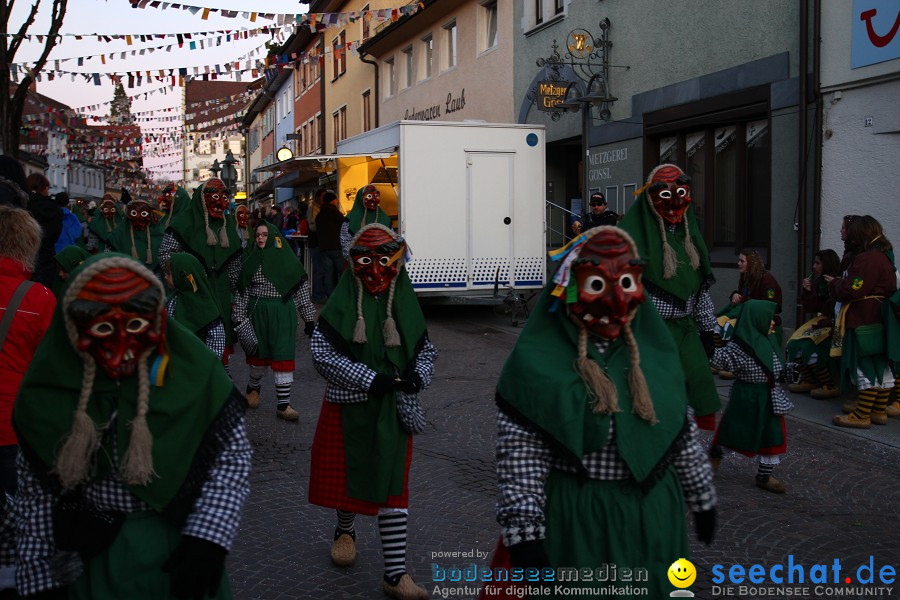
(810, 344)
(754, 283)
(849, 253)
(865, 330)
(49, 216)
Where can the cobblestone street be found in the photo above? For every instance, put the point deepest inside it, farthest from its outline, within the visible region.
(841, 500)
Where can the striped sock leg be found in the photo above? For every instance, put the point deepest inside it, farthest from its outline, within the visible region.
(345, 524)
(864, 401)
(392, 527)
(823, 375)
(256, 375)
(283, 381)
(882, 395)
(764, 470)
(807, 375)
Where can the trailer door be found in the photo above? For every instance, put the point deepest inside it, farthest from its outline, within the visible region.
(489, 186)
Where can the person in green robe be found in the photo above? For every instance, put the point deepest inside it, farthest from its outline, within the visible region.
(193, 303)
(677, 278)
(105, 220)
(134, 462)
(205, 231)
(366, 210)
(139, 235)
(753, 422)
(371, 346)
(172, 201)
(597, 453)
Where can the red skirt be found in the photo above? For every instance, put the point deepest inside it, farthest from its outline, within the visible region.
(328, 473)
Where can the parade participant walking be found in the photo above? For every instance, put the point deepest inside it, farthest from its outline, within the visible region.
(678, 277)
(173, 200)
(312, 242)
(70, 234)
(599, 214)
(193, 303)
(366, 210)
(101, 227)
(135, 461)
(753, 422)
(860, 337)
(809, 346)
(271, 289)
(241, 221)
(371, 346)
(596, 452)
(25, 312)
(140, 235)
(205, 231)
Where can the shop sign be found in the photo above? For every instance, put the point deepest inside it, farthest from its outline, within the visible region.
(551, 93)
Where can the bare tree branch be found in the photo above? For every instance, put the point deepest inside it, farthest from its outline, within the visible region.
(17, 39)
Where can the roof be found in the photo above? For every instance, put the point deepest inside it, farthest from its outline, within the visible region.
(370, 46)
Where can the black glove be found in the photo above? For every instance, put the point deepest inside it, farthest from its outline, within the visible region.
(54, 594)
(529, 554)
(411, 383)
(708, 339)
(309, 327)
(196, 566)
(382, 384)
(706, 525)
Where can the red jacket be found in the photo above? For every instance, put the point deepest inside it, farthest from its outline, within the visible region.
(28, 327)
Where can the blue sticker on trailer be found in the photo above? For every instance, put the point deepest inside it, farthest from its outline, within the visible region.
(531, 139)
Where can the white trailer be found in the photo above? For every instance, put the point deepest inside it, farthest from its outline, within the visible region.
(470, 203)
(468, 197)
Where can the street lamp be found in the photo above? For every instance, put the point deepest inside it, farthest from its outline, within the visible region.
(215, 168)
(585, 63)
(229, 172)
(284, 153)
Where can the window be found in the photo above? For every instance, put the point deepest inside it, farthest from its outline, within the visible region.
(538, 12)
(731, 162)
(489, 11)
(559, 6)
(339, 54)
(340, 125)
(408, 66)
(450, 45)
(367, 110)
(366, 19)
(299, 84)
(427, 55)
(390, 80)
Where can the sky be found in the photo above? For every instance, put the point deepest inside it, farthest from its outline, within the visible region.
(118, 17)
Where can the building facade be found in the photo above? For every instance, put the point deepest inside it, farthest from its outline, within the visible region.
(860, 126)
(451, 61)
(700, 88)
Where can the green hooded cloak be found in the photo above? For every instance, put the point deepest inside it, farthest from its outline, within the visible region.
(359, 210)
(102, 228)
(374, 442)
(278, 262)
(120, 241)
(68, 260)
(195, 304)
(188, 402)
(642, 223)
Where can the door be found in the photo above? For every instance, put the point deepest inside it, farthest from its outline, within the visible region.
(489, 189)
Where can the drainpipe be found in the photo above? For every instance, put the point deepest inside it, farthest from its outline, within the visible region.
(321, 57)
(362, 56)
(817, 91)
(801, 151)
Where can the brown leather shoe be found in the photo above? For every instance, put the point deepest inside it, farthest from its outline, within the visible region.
(771, 484)
(288, 414)
(343, 550)
(825, 392)
(893, 410)
(802, 387)
(406, 589)
(878, 418)
(726, 375)
(848, 406)
(252, 397)
(852, 421)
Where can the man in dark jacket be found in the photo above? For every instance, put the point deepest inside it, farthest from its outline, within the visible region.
(49, 216)
(328, 225)
(599, 214)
